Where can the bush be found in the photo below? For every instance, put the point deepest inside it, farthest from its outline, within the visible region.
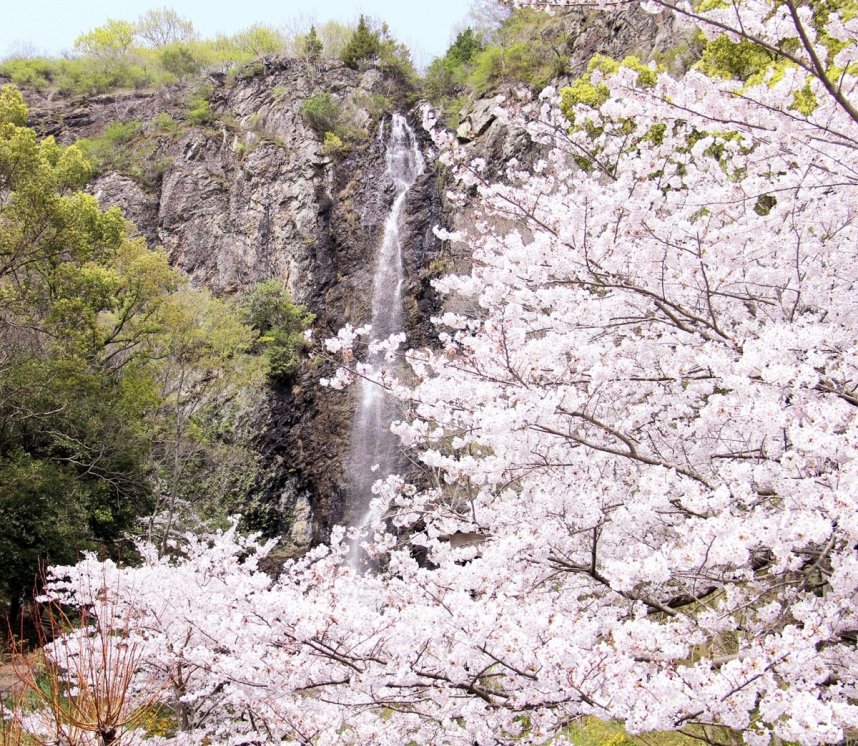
(281, 324)
(199, 107)
(322, 113)
(530, 48)
(447, 75)
(178, 60)
(111, 151)
(333, 145)
(36, 72)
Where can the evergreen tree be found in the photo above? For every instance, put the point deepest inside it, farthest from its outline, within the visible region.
(364, 45)
(311, 46)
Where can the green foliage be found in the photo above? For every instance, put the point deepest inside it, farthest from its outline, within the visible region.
(334, 37)
(110, 150)
(281, 324)
(123, 147)
(310, 45)
(164, 124)
(35, 72)
(178, 60)
(258, 40)
(43, 517)
(375, 104)
(322, 113)
(164, 27)
(115, 382)
(530, 48)
(582, 91)
(363, 47)
(160, 48)
(737, 60)
(199, 107)
(109, 42)
(13, 110)
(804, 100)
(448, 75)
(75, 299)
(333, 145)
(394, 58)
(463, 49)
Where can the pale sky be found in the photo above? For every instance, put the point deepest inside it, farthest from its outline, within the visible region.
(51, 26)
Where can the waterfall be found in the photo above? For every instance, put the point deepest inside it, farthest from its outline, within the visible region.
(372, 443)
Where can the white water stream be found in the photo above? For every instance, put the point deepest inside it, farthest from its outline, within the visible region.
(374, 449)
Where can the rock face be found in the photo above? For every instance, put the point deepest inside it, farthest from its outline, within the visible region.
(252, 195)
(240, 189)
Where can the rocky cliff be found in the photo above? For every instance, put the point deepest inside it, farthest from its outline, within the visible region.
(252, 194)
(228, 175)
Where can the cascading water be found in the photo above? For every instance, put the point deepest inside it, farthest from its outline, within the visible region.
(374, 449)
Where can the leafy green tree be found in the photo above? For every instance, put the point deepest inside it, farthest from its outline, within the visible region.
(334, 37)
(322, 112)
(310, 45)
(447, 74)
(281, 324)
(363, 46)
(529, 47)
(164, 27)
(178, 60)
(258, 40)
(109, 42)
(115, 381)
(203, 365)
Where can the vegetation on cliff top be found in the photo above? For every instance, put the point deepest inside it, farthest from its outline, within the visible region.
(161, 48)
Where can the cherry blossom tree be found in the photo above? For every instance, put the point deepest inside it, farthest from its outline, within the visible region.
(639, 442)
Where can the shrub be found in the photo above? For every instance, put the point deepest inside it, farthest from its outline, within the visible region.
(281, 324)
(322, 113)
(199, 107)
(530, 49)
(178, 60)
(310, 45)
(32, 73)
(111, 151)
(447, 75)
(334, 145)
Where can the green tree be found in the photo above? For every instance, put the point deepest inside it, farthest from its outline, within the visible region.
(334, 37)
(178, 60)
(164, 27)
(363, 46)
(115, 380)
(203, 364)
(322, 112)
(447, 74)
(281, 324)
(258, 40)
(310, 45)
(109, 42)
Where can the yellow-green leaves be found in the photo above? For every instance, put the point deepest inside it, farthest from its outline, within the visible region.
(804, 101)
(740, 60)
(13, 110)
(582, 91)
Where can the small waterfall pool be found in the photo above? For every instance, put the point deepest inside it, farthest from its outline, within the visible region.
(374, 451)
